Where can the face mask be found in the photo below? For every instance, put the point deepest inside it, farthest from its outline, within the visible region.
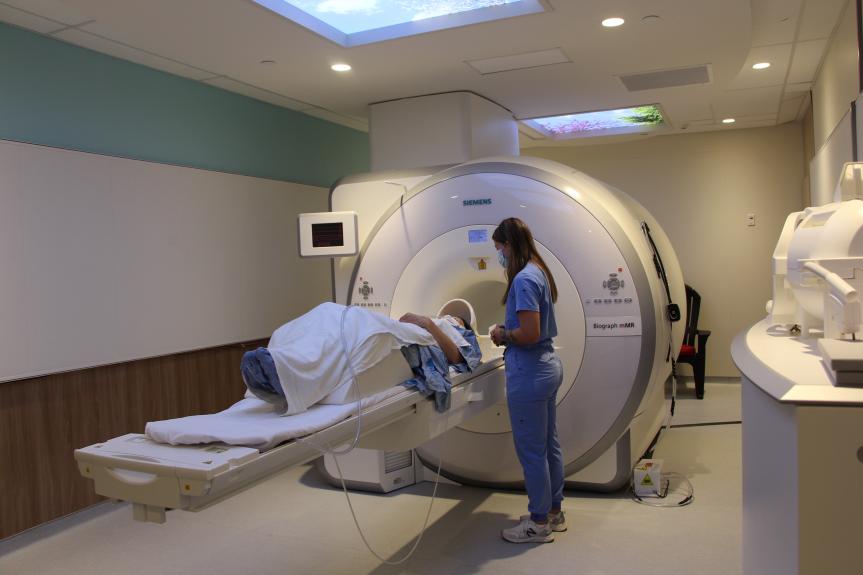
(452, 321)
(501, 259)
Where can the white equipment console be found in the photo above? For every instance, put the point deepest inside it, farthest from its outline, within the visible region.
(802, 383)
(818, 275)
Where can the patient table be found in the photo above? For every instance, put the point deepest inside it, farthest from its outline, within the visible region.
(156, 477)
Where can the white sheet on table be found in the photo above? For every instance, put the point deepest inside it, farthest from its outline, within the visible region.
(309, 356)
(256, 423)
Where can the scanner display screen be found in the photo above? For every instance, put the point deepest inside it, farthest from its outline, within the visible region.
(477, 236)
(328, 235)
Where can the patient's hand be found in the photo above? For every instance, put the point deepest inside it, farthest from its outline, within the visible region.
(416, 319)
(496, 334)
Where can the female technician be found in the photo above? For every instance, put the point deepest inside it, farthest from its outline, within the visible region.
(533, 375)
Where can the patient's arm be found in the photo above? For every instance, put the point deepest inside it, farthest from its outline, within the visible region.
(450, 349)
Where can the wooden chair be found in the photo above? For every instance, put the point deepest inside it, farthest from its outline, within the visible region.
(694, 348)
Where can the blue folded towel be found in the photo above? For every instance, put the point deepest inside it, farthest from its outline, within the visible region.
(431, 369)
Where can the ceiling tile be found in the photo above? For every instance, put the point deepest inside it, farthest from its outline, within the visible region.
(819, 18)
(778, 56)
(245, 89)
(56, 10)
(807, 57)
(519, 61)
(774, 21)
(666, 78)
(747, 103)
(27, 20)
(702, 122)
(118, 50)
(687, 106)
(747, 123)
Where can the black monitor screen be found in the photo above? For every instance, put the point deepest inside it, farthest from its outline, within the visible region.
(327, 235)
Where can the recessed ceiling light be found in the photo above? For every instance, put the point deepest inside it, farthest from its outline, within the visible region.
(728, 121)
(612, 22)
(341, 67)
(761, 66)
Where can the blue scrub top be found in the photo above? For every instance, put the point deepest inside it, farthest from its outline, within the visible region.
(530, 291)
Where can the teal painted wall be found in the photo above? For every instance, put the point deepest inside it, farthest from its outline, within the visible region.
(57, 94)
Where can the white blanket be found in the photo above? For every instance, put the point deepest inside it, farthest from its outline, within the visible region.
(309, 356)
(256, 423)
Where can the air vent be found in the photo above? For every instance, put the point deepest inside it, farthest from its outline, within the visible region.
(666, 78)
(395, 460)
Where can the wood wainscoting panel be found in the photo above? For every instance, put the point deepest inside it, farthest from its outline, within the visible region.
(44, 419)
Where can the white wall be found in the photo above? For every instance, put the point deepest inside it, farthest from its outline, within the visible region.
(837, 84)
(106, 260)
(700, 187)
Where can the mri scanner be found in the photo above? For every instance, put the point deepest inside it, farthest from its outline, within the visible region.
(426, 239)
(414, 239)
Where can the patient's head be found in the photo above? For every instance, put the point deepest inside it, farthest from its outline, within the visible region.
(457, 321)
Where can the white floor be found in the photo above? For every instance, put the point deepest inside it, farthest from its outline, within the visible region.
(294, 523)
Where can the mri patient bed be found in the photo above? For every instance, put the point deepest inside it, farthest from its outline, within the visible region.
(158, 476)
(424, 238)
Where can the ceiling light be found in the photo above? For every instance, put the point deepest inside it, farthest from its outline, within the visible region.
(612, 22)
(761, 66)
(600, 123)
(728, 121)
(358, 22)
(341, 67)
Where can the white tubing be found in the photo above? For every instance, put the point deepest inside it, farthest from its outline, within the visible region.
(352, 446)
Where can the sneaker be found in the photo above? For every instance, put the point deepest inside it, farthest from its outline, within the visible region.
(528, 532)
(557, 521)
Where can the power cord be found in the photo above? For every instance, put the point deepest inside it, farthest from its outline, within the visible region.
(672, 315)
(335, 453)
(686, 495)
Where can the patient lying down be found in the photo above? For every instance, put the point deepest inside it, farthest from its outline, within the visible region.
(305, 359)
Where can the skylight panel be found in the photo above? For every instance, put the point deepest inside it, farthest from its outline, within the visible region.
(356, 22)
(601, 123)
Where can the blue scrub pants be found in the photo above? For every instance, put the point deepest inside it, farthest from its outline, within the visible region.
(532, 379)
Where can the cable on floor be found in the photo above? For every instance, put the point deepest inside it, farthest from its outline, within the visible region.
(675, 491)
